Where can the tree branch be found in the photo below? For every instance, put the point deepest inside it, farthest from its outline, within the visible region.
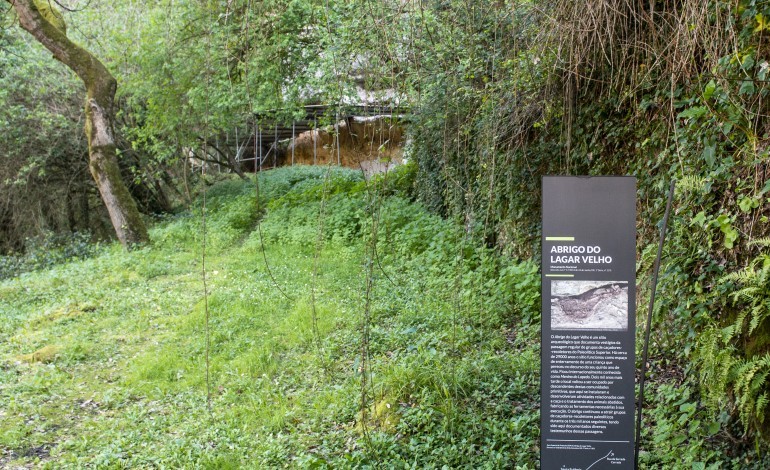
(82, 62)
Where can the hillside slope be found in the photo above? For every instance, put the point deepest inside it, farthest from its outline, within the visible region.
(399, 342)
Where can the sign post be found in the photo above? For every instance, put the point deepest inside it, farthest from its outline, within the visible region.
(588, 323)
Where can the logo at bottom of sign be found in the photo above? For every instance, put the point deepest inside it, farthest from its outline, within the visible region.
(609, 458)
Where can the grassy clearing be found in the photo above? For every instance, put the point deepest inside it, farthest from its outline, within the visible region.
(103, 360)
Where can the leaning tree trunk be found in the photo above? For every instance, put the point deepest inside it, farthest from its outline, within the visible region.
(48, 28)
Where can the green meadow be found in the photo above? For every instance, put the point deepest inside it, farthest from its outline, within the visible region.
(343, 326)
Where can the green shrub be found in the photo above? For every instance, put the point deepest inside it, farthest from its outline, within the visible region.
(48, 250)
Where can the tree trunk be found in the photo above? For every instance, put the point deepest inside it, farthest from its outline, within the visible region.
(48, 29)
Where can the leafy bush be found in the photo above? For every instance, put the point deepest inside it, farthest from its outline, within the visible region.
(681, 427)
(48, 250)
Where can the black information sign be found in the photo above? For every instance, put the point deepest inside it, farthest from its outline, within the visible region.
(589, 298)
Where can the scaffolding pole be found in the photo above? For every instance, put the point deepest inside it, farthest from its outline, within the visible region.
(315, 138)
(275, 146)
(337, 132)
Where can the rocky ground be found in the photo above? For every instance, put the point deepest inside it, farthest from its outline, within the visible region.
(589, 305)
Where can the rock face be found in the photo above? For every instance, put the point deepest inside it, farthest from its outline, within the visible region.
(589, 305)
(378, 138)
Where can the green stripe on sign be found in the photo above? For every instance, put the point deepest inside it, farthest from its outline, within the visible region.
(559, 275)
(560, 239)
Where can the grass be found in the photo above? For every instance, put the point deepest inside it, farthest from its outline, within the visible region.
(103, 360)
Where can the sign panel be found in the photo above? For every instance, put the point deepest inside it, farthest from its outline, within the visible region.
(588, 323)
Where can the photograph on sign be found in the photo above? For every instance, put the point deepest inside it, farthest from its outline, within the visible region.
(589, 305)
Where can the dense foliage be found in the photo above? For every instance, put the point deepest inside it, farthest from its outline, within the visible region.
(44, 180)
(501, 93)
(406, 359)
(674, 92)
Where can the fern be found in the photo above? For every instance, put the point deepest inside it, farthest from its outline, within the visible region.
(751, 389)
(716, 362)
(760, 242)
(723, 371)
(758, 315)
(760, 406)
(693, 183)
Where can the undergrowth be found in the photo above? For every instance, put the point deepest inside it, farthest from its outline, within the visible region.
(46, 251)
(102, 360)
